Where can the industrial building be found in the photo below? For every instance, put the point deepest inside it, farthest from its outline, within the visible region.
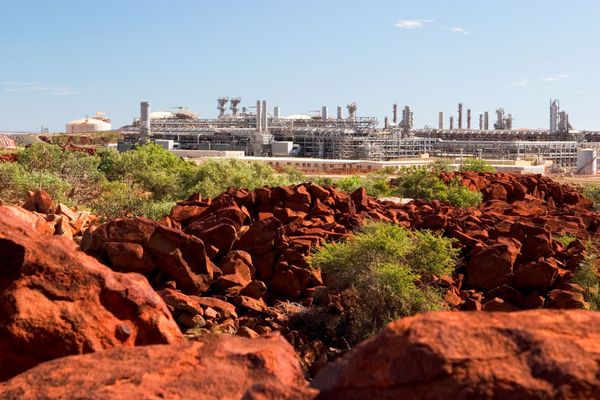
(98, 123)
(345, 135)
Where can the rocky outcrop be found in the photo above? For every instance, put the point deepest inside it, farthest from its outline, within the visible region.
(215, 367)
(62, 220)
(537, 354)
(249, 249)
(57, 301)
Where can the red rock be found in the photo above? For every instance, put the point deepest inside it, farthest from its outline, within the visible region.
(536, 276)
(17, 218)
(249, 303)
(66, 211)
(506, 293)
(255, 289)
(56, 301)
(237, 271)
(128, 257)
(566, 299)
(177, 254)
(536, 354)
(226, 309)
(180, 302)
(39, 201)
(213, 367)
(246, 332)
(533, 300)
(493, 266)
(498, 304)
(222, 236)
(472, 305)
(182, 213)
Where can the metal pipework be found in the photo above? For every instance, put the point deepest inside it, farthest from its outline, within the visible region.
(235, 101)
(264, 119)
(222, 104)
(144, 121)
(468, 118)
(259, 116)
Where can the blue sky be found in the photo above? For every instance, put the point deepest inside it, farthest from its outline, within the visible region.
(61, 60)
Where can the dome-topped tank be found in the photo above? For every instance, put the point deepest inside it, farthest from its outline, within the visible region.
(86, 125)
(162, 115)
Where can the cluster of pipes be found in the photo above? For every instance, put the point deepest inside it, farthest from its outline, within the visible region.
(559, 120)
(222, 105)
(407, 121)
(503, 121)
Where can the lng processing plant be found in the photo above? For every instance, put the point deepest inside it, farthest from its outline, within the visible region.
(261, 132)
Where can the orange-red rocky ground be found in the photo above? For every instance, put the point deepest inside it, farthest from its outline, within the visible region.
(536, 354)
(216, 367)
(232, 264)
(56, 301)
(9, 157)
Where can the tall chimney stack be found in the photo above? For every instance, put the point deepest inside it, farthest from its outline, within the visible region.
(144, 121)
(468, 118)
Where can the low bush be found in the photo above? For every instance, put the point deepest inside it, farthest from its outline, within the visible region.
(213, 177)
(16, 181)
(565, 239)
(477, 165)
(422, 183)
(389, 268)
(586, 275)
(592, 192)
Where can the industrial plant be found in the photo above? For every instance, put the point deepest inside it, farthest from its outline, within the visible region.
(258, 131)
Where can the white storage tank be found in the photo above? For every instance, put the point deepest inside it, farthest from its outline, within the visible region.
(587, 162)
(87, 125)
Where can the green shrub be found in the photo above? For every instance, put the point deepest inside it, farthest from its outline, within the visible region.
(15, 182)
(214, 176)
(388, 267)
(375, 183)
(79, 169)
(565, 239)
(422, 183)
(118, 199)
(587, 277)
(461, 196)
(477, 165)
(592, 192)
(440, 166)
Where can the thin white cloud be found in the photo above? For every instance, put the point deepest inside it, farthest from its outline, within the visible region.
(555, 78)
(34, 87)
(13, 83)
(459, 29)
(412, 23)
(522, 83)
